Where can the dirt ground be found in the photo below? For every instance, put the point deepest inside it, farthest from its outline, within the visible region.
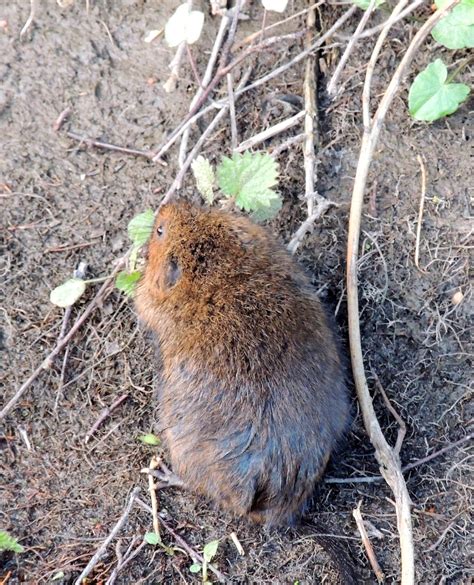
(63, 203)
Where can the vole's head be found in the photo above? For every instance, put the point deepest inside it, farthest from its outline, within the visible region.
(193, 251)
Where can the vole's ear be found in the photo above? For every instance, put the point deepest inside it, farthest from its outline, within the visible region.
(172, 274)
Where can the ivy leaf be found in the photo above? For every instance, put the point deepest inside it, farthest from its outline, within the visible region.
(210, 550)
(7, 542)
(364, 4)
(204, 177)
(127, 283)
(275, 5)
(67, 293)
(431, 98)
(149, 439)
(140, 227)
(249, 178)
(152, 538)
(185, 25)
(195, 568)
(456, 29)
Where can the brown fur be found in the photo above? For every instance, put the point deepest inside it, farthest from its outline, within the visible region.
(253, 398)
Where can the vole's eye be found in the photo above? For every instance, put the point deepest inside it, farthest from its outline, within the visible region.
(159, 231)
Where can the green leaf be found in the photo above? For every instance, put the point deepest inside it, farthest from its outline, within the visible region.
(127, 282)
(249, 178)
(268, 207)
(152, 538)
(209, 551)
(431, 98)
(149, 439)
(67, 293)
(204, 177)
(364, 4)
(456, 29)
(195, 568)
(140, 227)
(7, 542)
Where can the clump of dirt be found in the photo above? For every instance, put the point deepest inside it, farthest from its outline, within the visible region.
(63, 203)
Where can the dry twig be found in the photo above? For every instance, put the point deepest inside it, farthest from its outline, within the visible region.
(367, 544)
(386, 456)
(31, 17)
(113, 533)
(154, 463)
(310, 94)
(420, 212)
(270, 132)
(321, 208)
(106, 412)
(332, 85)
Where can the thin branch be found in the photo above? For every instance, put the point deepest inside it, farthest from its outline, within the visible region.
(31, 17)
(310, 119)
(387, 458)
(374, 30)
(170, 84)
(97, 301)
(402, 428)
(225, 21)
(115, 530)
(270, 132)
(332, 85)
(233, 120)
(107, 146)
(321, 208)
(367, 544)
(154, 463)
(420, 211)
(105, 413)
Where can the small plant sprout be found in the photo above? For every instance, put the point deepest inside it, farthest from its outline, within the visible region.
(456, 29)
(68, 293)
(275, 5)
(204, 177)
(184, 26)
(7, 542)
(149, 439)
(209, 552)
(152, 538)
(432, 96)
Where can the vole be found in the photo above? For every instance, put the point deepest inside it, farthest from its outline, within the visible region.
(253, 398)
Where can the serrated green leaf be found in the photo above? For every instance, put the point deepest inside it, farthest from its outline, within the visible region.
(127, 283)
(7, 542)
(152, 538)
(140, 227)
(66, 294)
(364, 4)
(204, 177)
(149, 439)
(456, 29)
(249, 178)
(195, 568)
(210, 550)
(431, 98)
(268, 207)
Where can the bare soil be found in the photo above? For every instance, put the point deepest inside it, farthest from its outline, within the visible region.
(63, 203)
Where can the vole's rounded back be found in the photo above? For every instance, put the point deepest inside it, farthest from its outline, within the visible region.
(253, 398)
